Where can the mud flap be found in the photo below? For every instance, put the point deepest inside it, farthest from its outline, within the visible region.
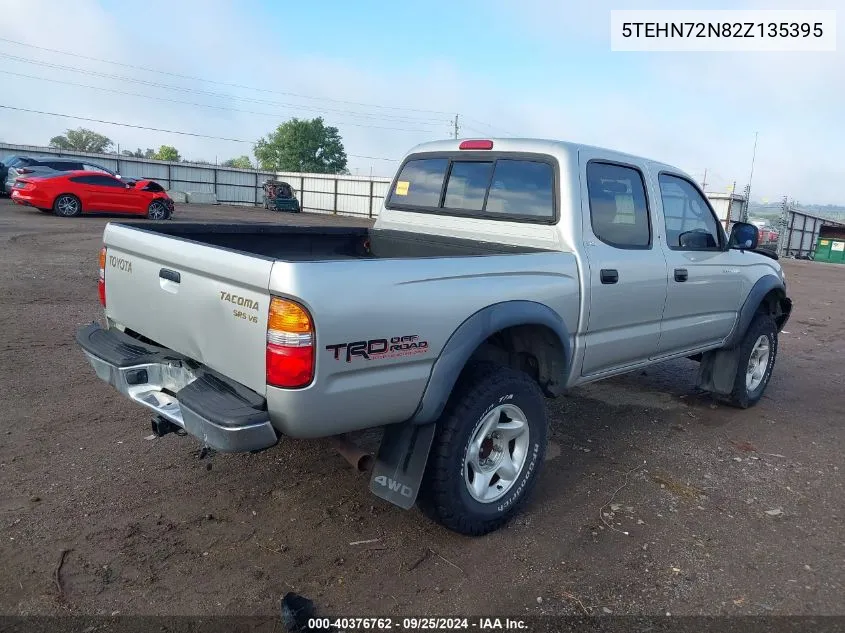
(400, 463)
(717, 370)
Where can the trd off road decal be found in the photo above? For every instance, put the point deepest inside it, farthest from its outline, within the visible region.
(378, 348)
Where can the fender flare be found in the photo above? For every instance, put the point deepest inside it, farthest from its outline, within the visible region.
(472, 333)
(760, 289)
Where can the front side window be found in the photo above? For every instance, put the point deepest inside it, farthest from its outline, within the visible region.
(690, 224)
(618, 205)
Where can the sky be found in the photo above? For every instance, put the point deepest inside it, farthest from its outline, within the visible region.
(390, 75)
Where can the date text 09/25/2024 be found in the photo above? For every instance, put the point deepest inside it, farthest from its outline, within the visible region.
(417, 624)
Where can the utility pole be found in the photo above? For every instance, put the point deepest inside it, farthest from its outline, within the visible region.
(704, 181)
(783, 238)
(750, 177)
(457, 126)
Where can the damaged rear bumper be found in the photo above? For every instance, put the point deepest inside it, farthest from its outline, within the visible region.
(219, 412)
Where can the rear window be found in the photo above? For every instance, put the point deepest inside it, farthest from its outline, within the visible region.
(500, 188)
(420, 183)
(96, 168)
(61, 165)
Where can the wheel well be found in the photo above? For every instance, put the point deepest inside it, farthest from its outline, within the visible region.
(775, 305)
(535, 349)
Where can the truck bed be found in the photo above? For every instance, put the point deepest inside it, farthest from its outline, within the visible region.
(319, 243)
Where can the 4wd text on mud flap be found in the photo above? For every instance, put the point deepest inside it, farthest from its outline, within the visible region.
(395, 486)
(378, 348)
(120, 263)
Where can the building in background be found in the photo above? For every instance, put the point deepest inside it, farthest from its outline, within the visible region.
(728, 206)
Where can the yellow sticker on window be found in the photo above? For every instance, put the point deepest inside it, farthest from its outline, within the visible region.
(824, 242)
(402, 188)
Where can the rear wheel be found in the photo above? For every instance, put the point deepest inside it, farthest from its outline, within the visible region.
(157, 210)
(488, 450)
(67, 206)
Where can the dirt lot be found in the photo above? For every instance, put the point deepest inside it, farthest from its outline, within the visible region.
(152, 531)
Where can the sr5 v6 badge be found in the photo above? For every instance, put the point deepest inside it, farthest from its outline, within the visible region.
(379, 348)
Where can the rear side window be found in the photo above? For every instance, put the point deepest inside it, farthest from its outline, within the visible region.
(618, 206)
(106, 181)
(506, 188)
(83, 180)
(420, 182)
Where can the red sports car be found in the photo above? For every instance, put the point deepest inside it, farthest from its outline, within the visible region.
(71, 193)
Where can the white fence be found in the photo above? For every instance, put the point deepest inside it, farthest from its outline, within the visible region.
(317, 193)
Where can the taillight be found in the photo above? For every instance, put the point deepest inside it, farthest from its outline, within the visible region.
(101, 282)
(290, 345)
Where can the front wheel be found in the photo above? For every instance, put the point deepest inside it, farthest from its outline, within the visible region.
(757, 354)
(488, 450)
(157, 210)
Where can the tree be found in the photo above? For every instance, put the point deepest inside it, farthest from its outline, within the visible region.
(302, 145)
(241, 162)
(167, 152)
(139, 153)
(82, 140)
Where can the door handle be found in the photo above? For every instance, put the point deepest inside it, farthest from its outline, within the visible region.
(170, 275)
(609, 275)
(681, 274)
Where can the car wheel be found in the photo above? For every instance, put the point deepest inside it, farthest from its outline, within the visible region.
(67, 206)
(487, 452)
(757, 354)
(157, 210)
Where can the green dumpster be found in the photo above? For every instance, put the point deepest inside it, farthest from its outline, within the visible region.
(829, 249)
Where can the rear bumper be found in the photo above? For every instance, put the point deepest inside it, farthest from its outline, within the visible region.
(221, 413)
(29, 199)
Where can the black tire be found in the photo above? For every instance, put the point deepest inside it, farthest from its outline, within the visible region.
(157, 210)
(742, 396)
(445, 495)
(67, 206)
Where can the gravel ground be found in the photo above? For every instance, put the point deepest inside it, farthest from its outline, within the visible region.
(654, 498)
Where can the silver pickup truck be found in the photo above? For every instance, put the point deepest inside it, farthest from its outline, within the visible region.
(499, 272)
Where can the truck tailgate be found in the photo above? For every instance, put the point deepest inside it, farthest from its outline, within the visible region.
(205, 302)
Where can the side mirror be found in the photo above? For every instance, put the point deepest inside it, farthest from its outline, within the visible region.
(744, 236)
